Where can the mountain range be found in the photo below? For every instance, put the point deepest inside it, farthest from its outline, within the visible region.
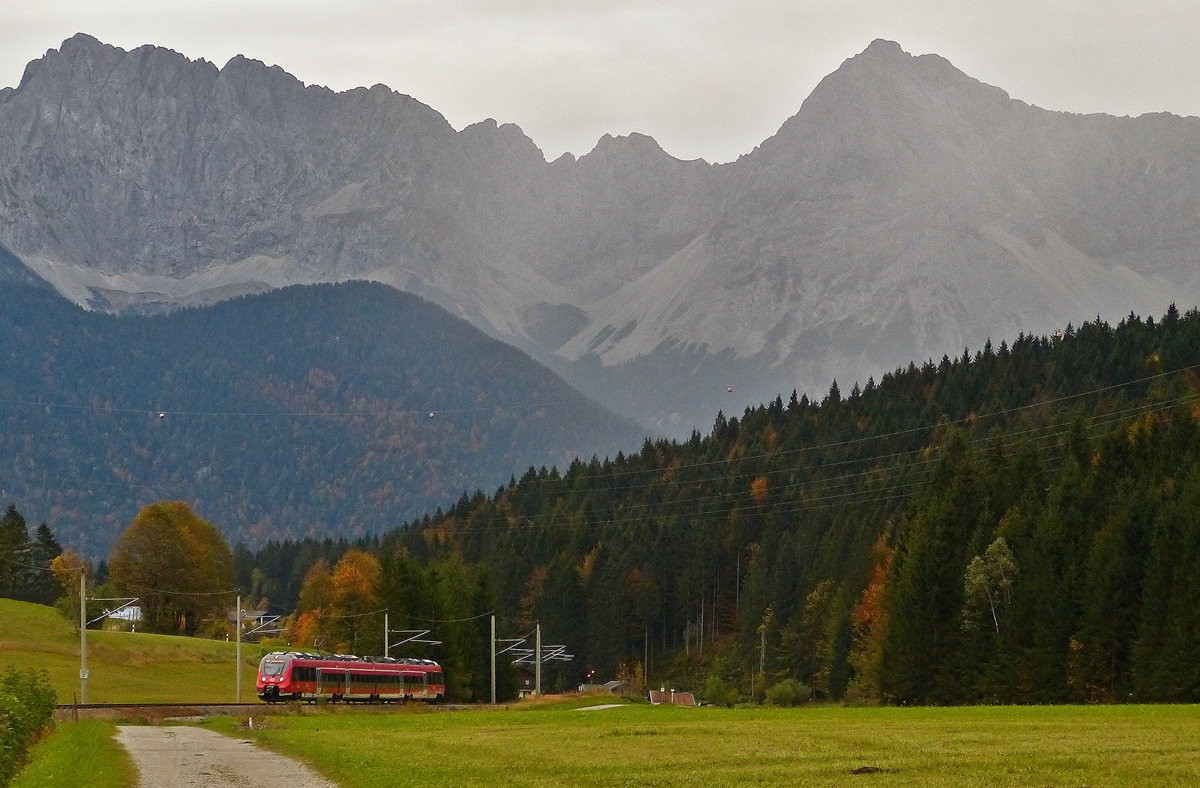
(906, 211)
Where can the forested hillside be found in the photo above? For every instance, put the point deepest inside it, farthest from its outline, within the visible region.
(313, 410)
(1021, 524)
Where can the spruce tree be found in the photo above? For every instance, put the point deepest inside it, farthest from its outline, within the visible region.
(16, 555)
(43, 588)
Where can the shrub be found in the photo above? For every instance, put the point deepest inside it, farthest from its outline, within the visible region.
(788, 692)
(718, 694)
(26, 709)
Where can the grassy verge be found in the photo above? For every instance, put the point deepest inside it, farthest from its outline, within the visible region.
(1112, 746)
(82, 755)
(124, 667)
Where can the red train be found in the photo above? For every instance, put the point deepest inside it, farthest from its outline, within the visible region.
(291, 675)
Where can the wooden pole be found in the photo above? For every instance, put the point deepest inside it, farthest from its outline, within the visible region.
(493, 660)
(238, 618)
(537, 682)
(83, 655)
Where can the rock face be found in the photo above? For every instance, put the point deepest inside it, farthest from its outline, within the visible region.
(905, 212)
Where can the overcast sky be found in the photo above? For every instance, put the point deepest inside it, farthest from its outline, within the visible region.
(706, 79)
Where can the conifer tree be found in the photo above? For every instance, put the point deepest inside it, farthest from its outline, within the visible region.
(16, 556)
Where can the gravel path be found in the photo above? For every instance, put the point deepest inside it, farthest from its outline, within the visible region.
(186, 757)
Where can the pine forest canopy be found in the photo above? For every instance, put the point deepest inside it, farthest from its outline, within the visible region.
(1015, 525)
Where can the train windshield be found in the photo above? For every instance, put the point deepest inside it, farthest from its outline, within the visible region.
(273, 667)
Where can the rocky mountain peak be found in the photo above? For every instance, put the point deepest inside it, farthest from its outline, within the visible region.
(907, 209)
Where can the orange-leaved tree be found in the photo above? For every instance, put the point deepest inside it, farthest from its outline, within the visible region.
(339, 609)
(308, 627)
(355, 587)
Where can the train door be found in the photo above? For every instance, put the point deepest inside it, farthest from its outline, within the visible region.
(331, 681)
(395, 686)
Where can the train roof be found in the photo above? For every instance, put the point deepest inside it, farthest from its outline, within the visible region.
(351, 658)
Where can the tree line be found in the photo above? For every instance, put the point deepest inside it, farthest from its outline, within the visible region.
(181, 571)
(1012, 525)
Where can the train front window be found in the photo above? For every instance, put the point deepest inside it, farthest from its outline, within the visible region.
(273, 668)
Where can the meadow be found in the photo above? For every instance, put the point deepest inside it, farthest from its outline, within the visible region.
(123, 667)
(556, 744)
(79, 754)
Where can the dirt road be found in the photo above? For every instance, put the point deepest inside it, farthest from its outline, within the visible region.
(186, 757)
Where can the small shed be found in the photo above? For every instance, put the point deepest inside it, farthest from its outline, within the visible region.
(526, 681)
(672, 697)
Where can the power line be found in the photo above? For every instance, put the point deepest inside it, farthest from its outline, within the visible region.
(151, 412)
(896, 433)
(447, 620)
(149, 590)
(674, 508)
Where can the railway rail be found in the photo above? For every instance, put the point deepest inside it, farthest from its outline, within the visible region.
(165, 711)
(177, 705)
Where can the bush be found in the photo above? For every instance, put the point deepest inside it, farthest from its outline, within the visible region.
(26, 709)
(788, 692)
(718, 694)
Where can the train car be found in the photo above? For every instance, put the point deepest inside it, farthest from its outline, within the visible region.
(292, 675)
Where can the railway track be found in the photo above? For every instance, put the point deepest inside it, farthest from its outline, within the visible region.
(181, 705)
(164, 711)
(154, 711)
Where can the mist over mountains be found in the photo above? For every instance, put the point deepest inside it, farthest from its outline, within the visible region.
(906, 210)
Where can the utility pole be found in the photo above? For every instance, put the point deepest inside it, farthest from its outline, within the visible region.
(386, 650)
(716, 607)
(537, 680)
(737, 585)
(83, 668)
(762, 659)
(493, 659)
(238, 618)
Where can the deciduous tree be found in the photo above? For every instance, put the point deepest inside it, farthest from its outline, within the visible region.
(177, 564)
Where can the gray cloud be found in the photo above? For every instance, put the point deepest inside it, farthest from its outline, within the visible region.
(707, 79)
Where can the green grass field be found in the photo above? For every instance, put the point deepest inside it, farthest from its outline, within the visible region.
(123, 667)
(640, 745)
(82, 755)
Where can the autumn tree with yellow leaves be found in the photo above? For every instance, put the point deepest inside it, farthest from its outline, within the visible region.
(339, 610)
(177, 564)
